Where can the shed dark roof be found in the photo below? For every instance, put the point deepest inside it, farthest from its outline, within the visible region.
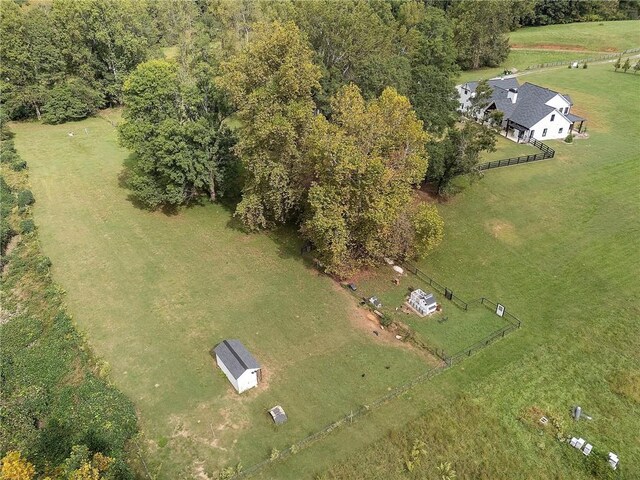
(429, 299)
(235, 357)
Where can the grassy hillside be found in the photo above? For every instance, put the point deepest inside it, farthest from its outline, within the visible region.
(562, 43)
(156, 292)
(557, 243)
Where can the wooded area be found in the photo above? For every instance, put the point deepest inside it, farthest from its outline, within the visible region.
(322, 115)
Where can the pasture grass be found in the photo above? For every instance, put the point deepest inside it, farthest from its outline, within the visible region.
(506, 148)
(155, 292)
(557, 242)
(562, 43)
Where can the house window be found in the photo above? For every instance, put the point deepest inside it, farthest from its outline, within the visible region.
(544, 132)
(553, 117)
(560, 131)
(566, 110)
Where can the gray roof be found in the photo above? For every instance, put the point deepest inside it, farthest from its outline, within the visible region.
(278, 415)
(429, 299)
(235, 357)
(531, 105)
(574, 118)
(568, 98)
(503, 83)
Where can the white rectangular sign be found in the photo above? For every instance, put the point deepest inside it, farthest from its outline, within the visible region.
(500, 310)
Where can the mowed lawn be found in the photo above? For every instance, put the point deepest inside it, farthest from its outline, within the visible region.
(532, 46)
(556, 242)
(154, 293)
(507, 149)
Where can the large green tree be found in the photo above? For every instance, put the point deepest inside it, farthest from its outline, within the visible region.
(82, 46)
(481, 32)
(30, 59)
(434, 68)
(354, 41)
(366, 163)
(173, 130)
(458, 153)
(271, 83)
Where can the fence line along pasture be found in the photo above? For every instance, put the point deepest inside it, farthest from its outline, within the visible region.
(583, 60)
(545, 152)
(447, 362)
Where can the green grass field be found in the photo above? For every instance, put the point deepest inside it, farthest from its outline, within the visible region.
(154, 293)
(506, 149)
(562, 43)
(555, 241)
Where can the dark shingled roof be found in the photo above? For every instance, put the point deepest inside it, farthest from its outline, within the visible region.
(574, 118)
(531, 105)
(235, 357)
(504, 83)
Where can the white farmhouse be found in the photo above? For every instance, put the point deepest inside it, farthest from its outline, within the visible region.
(529, 111)
(242, 370)
(423, 303)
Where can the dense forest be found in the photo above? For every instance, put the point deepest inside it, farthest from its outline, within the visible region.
(325, 115)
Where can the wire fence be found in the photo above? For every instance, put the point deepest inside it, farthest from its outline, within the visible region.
(279, 455)
(545, 152)
(514, 324)
(448, 293)
(345, 420)
(583, 60)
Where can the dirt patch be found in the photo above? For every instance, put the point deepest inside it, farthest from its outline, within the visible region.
(367, 322)
(10, 246)
(503, 231)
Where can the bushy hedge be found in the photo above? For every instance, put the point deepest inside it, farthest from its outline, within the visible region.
(52, 398)
(7, 202)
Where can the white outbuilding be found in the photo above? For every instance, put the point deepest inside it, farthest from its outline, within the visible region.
(242, 370)
(422, 303)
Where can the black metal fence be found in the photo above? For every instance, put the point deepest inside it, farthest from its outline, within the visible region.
(545, 152)
(449, 295)
(582, 60)
(513, 324)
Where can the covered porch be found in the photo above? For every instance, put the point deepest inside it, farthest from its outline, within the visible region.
(577, 123)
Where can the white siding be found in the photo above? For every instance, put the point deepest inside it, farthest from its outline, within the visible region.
(247, 380)
(464, 96)
(552, 127)
(558, 102)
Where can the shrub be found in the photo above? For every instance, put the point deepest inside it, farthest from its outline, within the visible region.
(19, 165)
(27, 226)
(72, 100)
(25, 197)
(584, 65)
(569, 138)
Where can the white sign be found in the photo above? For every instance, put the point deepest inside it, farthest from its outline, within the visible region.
(500, 310)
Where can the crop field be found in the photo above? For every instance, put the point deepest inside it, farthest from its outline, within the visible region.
(555, 241)
(562, 43)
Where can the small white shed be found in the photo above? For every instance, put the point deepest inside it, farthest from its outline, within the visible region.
(242, 370)
(423, 303)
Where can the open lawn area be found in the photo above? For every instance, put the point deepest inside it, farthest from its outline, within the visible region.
(155, 292)
(555, 241)
(562, 43)
(507, 149)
